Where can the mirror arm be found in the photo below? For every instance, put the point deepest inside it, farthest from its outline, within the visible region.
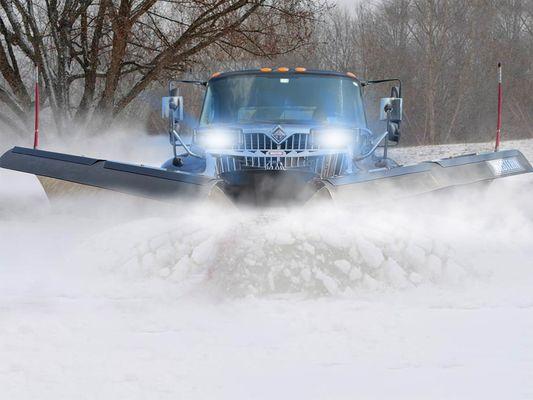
(171, 84)
(374, 147)
(173, 126)
(386, 147)
(176, 136)
(377, 81)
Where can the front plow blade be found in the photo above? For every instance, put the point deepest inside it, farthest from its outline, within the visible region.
(153, 183)
(269, 188)
(413, 180)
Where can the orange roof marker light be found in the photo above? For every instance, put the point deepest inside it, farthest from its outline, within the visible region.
(216, 74)
(300, 69)
(283, 69)
(351, 74)
(266, 69)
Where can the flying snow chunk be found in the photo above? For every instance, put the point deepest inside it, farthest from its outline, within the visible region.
(204, 252)
(329, 283)
(355, 274)
(343, 266)
(372, 255)
(415, 256)
(395, 274)
(370, 283)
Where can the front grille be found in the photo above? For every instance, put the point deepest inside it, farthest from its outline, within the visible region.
(323, 165)
(260, 141)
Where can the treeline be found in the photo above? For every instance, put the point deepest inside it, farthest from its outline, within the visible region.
(108, 60)
(446, 53)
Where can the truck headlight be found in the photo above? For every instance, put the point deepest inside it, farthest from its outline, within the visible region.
(334, 138)
(217, 139)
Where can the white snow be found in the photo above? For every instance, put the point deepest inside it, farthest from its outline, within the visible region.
(371, 254)
(428, 300)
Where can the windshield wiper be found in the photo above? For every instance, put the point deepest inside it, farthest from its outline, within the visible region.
(258, 121)
(280, 122)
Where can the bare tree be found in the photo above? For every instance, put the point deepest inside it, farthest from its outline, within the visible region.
(96, 56)
(445, 52)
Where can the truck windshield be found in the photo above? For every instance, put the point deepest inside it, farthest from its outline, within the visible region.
(283, 99)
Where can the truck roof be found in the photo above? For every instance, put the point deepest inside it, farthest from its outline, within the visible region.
(284, 71)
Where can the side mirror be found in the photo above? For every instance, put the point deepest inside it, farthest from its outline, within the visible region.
(394, 132)
(172, 107)
(390, 109)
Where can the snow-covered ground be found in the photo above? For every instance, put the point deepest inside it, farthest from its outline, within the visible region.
(423, 300)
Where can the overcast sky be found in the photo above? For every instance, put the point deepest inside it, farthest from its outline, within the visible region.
(351, 2)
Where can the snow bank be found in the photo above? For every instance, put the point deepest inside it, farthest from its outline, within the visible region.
(319, 251)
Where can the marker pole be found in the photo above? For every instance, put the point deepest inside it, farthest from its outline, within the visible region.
(36, 122)
(499, 122)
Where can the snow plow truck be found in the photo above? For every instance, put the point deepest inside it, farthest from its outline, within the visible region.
(275, 136)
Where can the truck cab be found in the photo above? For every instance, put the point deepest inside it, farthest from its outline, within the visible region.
(281, 119)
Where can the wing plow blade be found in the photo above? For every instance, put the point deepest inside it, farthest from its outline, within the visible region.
(138, 180)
